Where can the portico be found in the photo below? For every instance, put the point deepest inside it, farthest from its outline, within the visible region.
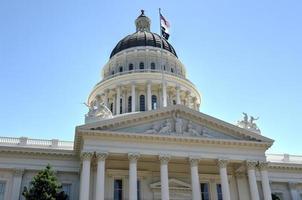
(138, 172)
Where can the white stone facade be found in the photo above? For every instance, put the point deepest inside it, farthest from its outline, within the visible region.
(170, 151)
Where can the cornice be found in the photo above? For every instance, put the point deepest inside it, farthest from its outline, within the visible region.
(140, 137)
(285, 166)
(37, 152)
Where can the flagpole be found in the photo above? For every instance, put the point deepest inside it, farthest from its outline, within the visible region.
(164, 96)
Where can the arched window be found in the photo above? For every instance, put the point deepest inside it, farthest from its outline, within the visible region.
(172, 70)
(129, 103)
(112, 72)
(164, 67)
(130, 66)
(142, 103)
(141, 65)
(111, 107)
(154, 102)
(174, 102)
(153, 66)
(121, 105)
(121, 69)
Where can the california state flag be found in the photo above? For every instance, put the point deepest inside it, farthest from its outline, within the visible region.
(165, 26)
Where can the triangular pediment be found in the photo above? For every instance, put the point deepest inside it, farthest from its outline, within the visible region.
(178, 121)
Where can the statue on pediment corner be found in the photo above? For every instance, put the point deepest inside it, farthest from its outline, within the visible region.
(249, 124)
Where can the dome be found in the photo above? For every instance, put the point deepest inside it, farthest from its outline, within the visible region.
(142, 37)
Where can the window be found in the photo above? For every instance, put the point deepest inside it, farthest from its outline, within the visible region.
(172, 70)
(174, 102)
(138, 190)
(66, 187)
(129, 103)
(219, 192)
(205, 192)
(141, 65)
(165, 67)
(118, 189)
(130, 66)
(2, 190)
(111, 107)
(121, 69)
(153, 66)
(112, 72)
(154, 102)
(142, 103)
(121, 105)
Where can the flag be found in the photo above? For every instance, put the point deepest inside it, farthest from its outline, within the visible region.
(164, 25)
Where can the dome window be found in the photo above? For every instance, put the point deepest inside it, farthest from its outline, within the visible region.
(130, 66)
(129, 103)
(121, 69)
(141, 65)
(154, 102)
(142, 103)
(153, 66)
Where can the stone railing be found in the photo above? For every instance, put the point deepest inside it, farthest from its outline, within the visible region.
(36, 143)
(284, 158)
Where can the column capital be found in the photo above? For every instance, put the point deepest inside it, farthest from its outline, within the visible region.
(18, 172)
(164, 158)
(263, 165)
(222, 163)
(293, 185)
(251, 164)
(101, 155)
(86, 156)
(194, 161)
(133, 157)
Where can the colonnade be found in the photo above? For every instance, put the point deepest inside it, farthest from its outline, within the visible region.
(164, 96)
(164, 177)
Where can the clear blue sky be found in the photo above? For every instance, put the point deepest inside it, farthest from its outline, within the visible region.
(242, 56)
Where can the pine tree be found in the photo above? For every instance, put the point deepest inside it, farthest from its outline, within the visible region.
(44, 186)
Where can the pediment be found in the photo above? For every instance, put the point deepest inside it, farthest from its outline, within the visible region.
(174, 184)
(178, 121)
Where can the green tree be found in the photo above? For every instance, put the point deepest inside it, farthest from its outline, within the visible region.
(44, 186)
(275, 197)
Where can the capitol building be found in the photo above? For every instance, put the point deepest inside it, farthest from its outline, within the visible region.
(145, 139)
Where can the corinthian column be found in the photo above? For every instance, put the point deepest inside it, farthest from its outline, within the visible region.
(164, 94)
(251, 165)
(265, 181)
(85, 175)
(100, 177)
(133, 97)
(133, 157)
(17, 180)
(149, 98)
(164, 177)
(222, 164)
(178, 95)
(195, 184)
(118, 100)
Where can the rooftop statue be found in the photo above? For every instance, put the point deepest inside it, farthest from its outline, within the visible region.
(99, 110)
(249, 124)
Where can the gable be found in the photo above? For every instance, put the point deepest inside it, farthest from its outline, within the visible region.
(177, 121)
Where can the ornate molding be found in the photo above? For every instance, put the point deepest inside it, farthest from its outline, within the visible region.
(164, 158)
(133, 157)
(18, 172)
(194, 161)
(222, 163)
(251, 164)
(263, 166)
(101, 156)
(86, 156)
